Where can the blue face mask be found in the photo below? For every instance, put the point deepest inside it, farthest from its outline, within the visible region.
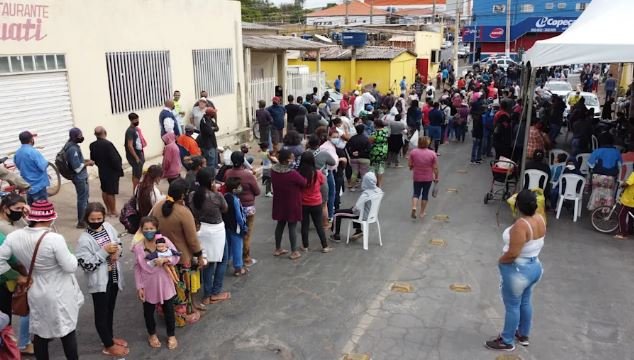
(149, 235)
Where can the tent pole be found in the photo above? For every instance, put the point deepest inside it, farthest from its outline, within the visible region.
(529, 115)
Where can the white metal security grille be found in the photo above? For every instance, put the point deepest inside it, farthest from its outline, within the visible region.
(261, 89)
(213, 71)
(38, 103)
(302, 84)
(138, 80)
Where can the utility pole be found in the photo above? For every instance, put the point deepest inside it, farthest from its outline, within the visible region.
(347, 3)
(371, 12)
(507, 44)
(433, 13)
(455, 38)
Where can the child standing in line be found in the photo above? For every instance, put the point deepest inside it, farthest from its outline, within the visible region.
(268, 159)
(235, 224)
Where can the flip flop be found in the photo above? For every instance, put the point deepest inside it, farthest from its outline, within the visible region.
(280, 252)
(120, 342)
(172, 343)
(295, 255)
(154, 342)
(117, 351)
(223, 296)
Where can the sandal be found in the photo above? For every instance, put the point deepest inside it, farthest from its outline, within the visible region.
(223, 296)
(295, 255)
(120, 342)
(280, 252)
(172, 343)
(116, 351)
(201, 306)
(413, 214)
(154, 341)
(620, 237)
(240, 272)
(327, 249)
(304, 249)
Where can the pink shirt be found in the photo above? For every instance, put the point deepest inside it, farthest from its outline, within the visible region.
(332, 150)
(157, 284)
(422, 162)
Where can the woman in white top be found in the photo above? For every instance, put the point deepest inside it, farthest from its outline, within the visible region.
(54, 295)
(520, 270)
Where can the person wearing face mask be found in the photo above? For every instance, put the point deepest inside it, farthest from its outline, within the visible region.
(153, 284)
(98, 250)
(76, 162)
(12, 209)
(54, 312)
(330, 147)
(32, 165)
(134, 149)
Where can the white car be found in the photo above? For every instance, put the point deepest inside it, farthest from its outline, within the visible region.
(592, 101)
(335, 100)
(446, 45)
(559, 88)
(463, 50)
(502, 62)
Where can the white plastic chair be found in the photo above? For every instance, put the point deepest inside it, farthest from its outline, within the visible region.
(556, 171)
(535, 179)
(582, 162)
(571, 188)
(371, 216)
(595, 143)
(553, 155)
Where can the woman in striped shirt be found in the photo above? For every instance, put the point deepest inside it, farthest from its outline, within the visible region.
(98, 251)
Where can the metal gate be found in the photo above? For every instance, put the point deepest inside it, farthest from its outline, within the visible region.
(261, 89)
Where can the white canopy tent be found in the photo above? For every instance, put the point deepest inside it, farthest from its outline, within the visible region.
(599, 35)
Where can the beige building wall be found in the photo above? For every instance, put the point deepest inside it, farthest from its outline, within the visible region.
(84, 30)
(424, 43)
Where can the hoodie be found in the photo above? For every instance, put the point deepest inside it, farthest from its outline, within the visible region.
(171, 157)
(368, 185)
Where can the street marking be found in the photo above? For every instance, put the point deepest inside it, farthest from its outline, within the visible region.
(461, 171)
(437, 242)
(402, 287)
(508, 357)
(452, 190)
(356, 357)
(458, 287)
(441, 217)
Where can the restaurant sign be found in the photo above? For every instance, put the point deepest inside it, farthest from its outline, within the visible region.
(22, 21)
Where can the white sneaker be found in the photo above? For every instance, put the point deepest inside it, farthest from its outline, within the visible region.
(269, 194)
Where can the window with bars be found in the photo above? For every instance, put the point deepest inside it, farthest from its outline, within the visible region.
(138, 80)
(213, 71)
(19, 64)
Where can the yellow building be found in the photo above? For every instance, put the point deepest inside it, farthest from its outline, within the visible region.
(427, 47)
(384, 66)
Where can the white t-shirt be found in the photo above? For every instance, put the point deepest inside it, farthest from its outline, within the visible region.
(433, 91)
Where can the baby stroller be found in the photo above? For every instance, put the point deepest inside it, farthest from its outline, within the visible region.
(504, 176)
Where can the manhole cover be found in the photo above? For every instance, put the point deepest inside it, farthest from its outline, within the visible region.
(441, 217)
(452, 190)
(356, 357)
(402, 287)
(458, 287)
(437, 242)
(508, 357)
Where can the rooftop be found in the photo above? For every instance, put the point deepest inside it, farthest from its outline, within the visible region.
(279, 42)
(355, 8)
(397, 3)
(365, 53)
(255, 26)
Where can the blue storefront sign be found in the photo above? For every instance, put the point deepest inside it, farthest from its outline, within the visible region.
(529, 25)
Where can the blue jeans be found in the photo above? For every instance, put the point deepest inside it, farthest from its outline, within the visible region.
(81, 187)
(211, 155)
(518, 279)
(214, 275)
(39, 195)
(332, 192)
(235, 248)
(476, 150)
(554, 132)
(24, 338)
(487, 145)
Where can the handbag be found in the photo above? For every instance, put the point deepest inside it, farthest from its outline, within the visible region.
(129, 216)
(19, 301)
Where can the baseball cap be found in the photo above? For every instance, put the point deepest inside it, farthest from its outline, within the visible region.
(189, 128)
(26, 136)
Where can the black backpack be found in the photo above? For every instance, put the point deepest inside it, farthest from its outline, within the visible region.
(62, 164)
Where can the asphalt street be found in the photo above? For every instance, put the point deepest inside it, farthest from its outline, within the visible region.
(324, 306)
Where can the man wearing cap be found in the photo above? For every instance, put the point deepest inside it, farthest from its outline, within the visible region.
(109, 163)
(167, 120)
(203, 95)
(277, 111)
(207, 138)
(187, 142)
(32, 166)
(76, 162)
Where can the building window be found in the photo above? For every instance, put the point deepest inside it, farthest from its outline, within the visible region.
(549, 6)
(435, 56)
(499, 8)
(581, 6)
(20, 64)
(561, 5)
(527, 8)
(138, 80)
(213, 71)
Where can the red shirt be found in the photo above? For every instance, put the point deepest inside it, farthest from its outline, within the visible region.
(426, 110)
(311, 195)
(461, 84)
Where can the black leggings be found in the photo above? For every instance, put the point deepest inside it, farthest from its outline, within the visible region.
(5, 300)
(69, 342)
(292, 234)
(337, 221)
(168, 314)
(316, 213)
(104, 303)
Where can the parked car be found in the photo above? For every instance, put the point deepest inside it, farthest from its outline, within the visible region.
(559, 87)
(502, 62)
(335, 100)
(592, 101)
(463, 50)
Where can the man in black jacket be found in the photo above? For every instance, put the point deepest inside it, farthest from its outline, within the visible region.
(207, 138)
(109, 163)
(477, 109)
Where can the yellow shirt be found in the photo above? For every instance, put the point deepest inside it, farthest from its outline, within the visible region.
(627, 198)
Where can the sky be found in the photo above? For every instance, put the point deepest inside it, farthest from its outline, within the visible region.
(309, 4)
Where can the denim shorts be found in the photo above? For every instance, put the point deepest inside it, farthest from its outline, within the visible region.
(421, 189)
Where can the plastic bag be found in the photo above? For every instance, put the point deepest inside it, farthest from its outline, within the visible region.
(413, 141)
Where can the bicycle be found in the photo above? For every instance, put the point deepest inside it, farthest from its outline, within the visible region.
(54, 176)
(605, 219)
